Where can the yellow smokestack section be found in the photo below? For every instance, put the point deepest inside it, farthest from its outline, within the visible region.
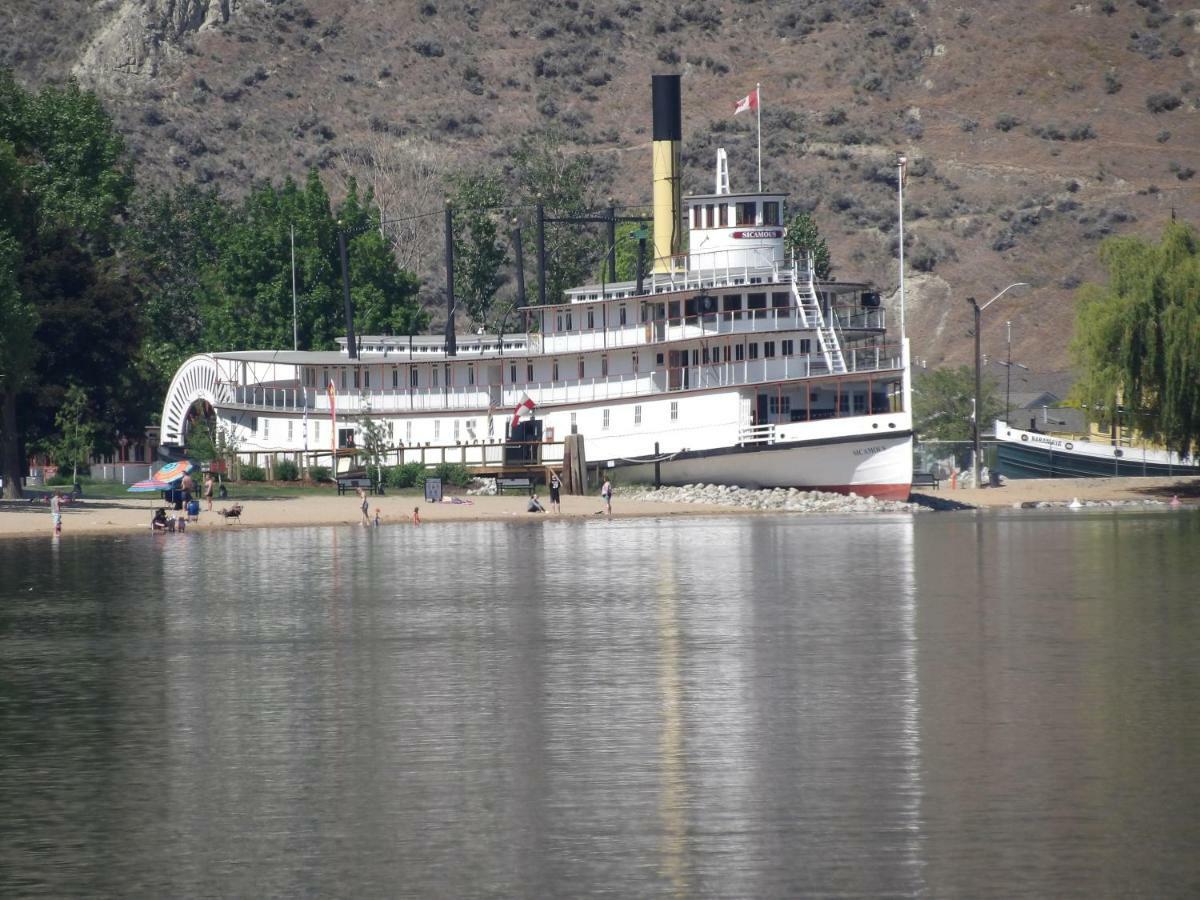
(668, 201)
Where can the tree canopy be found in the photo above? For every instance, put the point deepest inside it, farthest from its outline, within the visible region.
(942, 402)
(67, 303)
(1137, 338)
(803, 236)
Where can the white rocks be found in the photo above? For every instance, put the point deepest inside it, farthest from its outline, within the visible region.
(768, 499)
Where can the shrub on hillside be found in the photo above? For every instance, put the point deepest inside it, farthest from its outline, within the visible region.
(1162, 101)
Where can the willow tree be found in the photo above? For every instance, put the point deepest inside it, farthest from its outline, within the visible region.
(1137, 338)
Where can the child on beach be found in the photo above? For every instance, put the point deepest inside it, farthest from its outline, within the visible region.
(377, 517)
(416, 516)
(606, 493)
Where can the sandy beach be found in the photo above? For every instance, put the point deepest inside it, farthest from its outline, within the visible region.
(105, 516)
(123, 515)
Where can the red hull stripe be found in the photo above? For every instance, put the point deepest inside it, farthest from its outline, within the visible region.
(878, 491)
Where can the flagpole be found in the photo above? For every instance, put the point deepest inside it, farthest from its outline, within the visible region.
(295, 330)
(758, 112)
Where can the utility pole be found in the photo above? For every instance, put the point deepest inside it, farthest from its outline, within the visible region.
(975, 407)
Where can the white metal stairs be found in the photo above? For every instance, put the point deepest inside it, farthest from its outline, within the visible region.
(804, 293)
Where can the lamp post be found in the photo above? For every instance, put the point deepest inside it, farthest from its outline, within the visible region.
(1008, 367)
(975, 406)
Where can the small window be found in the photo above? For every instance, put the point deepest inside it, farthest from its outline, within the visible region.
(412, 376)
(569, 325)
(710, 218)
(770, 212)
(731, 302)
(769, 349)
(754, 351)
(674, 410)
(805, 345)
(529, 372)
(788, 348)
(695, 357)
(366, 378)
(747, 213)
(621, 314)
(739, 352)
(756, 301)
(607, 419)
(471, 374)
(554, 376)
(637, 415)
(604, 367)
(448, 373)
(512, 373)
(434, 370)
(723, 215)
(591, 318)
(780, 299)
(695, 217)
(395, 377)
(358, 378)
(559, 321)
(636, 363)
(581, 367)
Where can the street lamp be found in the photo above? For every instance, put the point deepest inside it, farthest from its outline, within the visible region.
(975, 407)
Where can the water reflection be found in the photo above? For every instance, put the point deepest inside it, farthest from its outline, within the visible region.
(754, 707)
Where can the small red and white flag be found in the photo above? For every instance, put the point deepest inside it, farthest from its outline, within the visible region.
(747, 103)
(526, 404)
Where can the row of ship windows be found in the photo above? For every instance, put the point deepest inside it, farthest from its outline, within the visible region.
(262, 427)
(444, 373)
(693, 306)
(718, 215)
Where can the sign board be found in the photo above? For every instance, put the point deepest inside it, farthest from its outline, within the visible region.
(433, 490)
(758, 233)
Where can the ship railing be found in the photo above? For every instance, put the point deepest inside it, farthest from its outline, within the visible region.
(720, 268)
(657, 331)
(714, 374)
(850, 319)
(757, 434)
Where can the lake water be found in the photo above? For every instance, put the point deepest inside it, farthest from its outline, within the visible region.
(948, 705)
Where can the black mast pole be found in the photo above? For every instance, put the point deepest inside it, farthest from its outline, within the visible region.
(347, 302)
(451, 340)
(612, 242)
(541, 253)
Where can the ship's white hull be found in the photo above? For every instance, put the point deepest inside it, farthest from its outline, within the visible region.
(868, 465)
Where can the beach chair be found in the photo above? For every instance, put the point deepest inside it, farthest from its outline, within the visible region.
(234, 512)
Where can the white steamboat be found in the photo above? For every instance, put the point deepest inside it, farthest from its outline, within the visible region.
(732, 364)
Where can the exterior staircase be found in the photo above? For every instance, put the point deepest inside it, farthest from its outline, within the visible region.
(804, 294)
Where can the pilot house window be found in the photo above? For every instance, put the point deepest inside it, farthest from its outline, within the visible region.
(747, 213)
(770, 212)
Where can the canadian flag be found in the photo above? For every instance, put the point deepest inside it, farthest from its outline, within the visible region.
(525, 403)
(750, 101)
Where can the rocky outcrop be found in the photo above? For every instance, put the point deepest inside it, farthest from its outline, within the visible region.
(139, 34)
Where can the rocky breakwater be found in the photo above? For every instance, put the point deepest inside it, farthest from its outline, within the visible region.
(768, 499)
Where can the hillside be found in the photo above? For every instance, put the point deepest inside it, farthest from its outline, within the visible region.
(1035, 128)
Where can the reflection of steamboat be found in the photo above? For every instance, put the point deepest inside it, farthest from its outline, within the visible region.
(1031, 454)
(727, 364)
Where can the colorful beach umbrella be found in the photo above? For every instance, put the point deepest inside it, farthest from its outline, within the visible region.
(163, 478)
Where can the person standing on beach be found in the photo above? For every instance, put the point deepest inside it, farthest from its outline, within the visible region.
(365, 506)
(56, 511)
(555, 489)
(208, 490)
(606, 493)
(416, 516)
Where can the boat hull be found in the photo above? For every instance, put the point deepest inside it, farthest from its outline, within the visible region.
(869, 465)
(1028, 454)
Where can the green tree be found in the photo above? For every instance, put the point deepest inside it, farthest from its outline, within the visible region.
(566, 185)
(201, 445)
(65, 297)
(943, 401)
(76, 437)
(374, 441)
(803, 236)
(479, 249)
(1137, 338)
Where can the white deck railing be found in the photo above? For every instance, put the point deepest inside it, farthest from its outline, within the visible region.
(866, 361)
